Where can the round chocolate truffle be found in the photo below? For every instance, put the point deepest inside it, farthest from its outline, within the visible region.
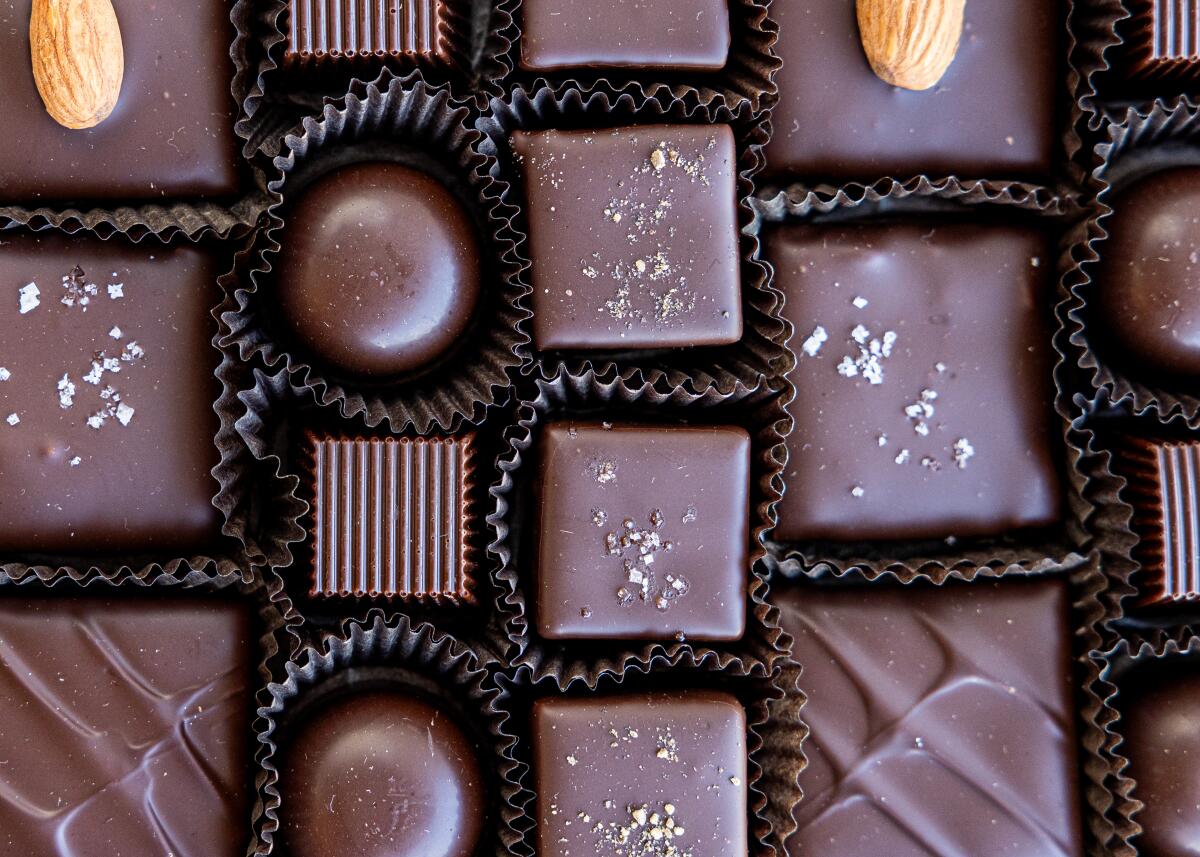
(380, 774)
(379, 269)
(1149, 295)
(1160, 725)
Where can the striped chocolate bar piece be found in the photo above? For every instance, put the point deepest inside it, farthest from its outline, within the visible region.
(362, 28)
(1164, 489)
(1165, 38)
(392, 517)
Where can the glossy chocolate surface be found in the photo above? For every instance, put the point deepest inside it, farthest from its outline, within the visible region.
(632, 236)
(380, 774)
(942, 720)
(125, 727)
(927, 409)
(379, 270)
(660, 34)
(335, 29)
(1148, 294)
(1160, 728)
(106, 419)
(171, 134)
(392, 516)
(991, 116)
(643, 532)
(637, 774)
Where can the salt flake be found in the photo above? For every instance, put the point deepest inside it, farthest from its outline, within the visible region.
(29, 297)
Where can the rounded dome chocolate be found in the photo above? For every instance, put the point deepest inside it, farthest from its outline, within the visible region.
(379, 269)
(1149, 289)
(380, 774)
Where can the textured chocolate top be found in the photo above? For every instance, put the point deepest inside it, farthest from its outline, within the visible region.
(1160, 725)
(643, 531)
(664, 34)
(1148, 296)
(336, 29)
(923, 381)
(391, 517)
(171, 134)
(380, 774)
(125, 727)
(1164, 478)
(942, 720)
(106, 392)
(991, 116)
(641, 775)
(632, 236)
(379, 271)
(1164, 39)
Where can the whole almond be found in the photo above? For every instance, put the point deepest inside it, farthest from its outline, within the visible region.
(78, 59)
(910, 43)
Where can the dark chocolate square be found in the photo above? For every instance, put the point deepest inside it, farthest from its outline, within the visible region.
(924, 397)
(638, 773)
(106, 407)
(991, 116)
(1164, 39)
(643, 532)
(126, 727)
(170, 135)
(652, 34)
(336, 30)
(942, 720)
(633, 236)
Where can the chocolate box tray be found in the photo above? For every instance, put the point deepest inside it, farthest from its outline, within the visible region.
(448, 428)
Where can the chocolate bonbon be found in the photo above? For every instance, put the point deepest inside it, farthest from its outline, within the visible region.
(126, 726)
(106, 419)
(1160, 736)
(923, 391)
(654, 34)
(942, 720)
(632, 236)
(379, 271)
(1148, 289)
(170, 135)
(991, 116)
(647, 774)
(643, 531)
(1164, 40)
(391, 516)
(1164, 477)
(334, 30)
(380, 773)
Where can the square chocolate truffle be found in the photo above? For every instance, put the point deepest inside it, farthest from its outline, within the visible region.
(335, 29)
(942, 720)
(641, 774)
(170, 135)
(632, 236)
(126, 727)
(106, 396)
(651, 34)
(991, 116)
(1164, 39)
(1163, 481)
(392, 516)
(924, 396)
(643, 532)
(1159, 703)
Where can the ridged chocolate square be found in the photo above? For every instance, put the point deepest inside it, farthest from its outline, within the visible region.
(1165, 38)
(392, 517)
(1164, 480)
(362, 28)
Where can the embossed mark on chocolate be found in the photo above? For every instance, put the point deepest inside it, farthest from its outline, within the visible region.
(362, 28)
(392, 516)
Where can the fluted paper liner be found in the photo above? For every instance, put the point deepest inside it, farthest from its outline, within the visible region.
(379, 118)
(400, 653)
(731, 369)
(775, 732)
(760, 413)
(1036, 553)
